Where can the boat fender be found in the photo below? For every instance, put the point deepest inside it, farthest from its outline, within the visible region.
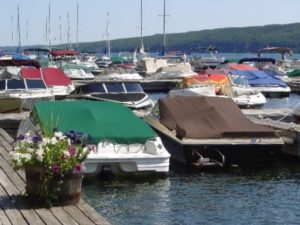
(154, 147)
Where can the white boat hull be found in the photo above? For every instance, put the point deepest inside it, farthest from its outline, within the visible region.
(134, 158)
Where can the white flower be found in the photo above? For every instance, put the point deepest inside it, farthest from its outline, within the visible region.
(27, 135)
(26, 157)
(45, 141)
(30, 150)
(59, 135)
(53, 140)
(39, 154)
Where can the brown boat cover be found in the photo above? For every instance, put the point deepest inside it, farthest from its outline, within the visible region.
(208, 117)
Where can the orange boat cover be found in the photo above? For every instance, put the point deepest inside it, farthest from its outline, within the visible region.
(236, 66)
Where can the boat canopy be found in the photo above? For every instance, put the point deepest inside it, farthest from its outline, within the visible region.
(30, 73)
(55, 77)
(237, 66)
(281, 50)
(258, 78)
(63, 52)
(271, 60)
(101, 120)
(208, 117)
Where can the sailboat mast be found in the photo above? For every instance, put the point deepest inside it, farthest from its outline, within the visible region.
(77, 29)
(19, 31)
(164, 27)
(12, 30)
(60, 36)
(27, 31)
(142, 44)
(49, 30)
(107, 35)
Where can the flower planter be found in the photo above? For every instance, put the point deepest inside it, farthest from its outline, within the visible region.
(69, 192)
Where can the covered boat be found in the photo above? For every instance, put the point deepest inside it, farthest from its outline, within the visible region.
(204, 131)
(125, 143)
(269, 85)
(221, 85)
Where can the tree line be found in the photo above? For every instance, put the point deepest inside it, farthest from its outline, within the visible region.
(235, 40)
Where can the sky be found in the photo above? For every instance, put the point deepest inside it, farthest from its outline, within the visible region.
(125, 18)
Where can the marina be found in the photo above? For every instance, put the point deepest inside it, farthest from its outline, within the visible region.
(180, 124)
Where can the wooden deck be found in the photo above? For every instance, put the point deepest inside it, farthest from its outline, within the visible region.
(15, 210)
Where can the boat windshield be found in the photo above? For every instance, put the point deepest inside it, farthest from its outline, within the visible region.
(133, 87)
(15, 84)
(238, 80)
(114, 87)
(2, 84)
(92, 88)
(35, 84)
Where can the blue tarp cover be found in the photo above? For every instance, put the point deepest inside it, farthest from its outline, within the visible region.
(260, 78)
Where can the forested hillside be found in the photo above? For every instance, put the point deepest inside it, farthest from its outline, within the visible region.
(245, 39)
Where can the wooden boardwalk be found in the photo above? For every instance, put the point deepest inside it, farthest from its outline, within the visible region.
(14, 210)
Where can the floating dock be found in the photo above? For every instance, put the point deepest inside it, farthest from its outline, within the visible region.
(14, 210)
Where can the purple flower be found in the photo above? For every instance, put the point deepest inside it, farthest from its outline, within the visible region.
(72, 151)
(78, 167)
(36, 139)
(21, 137)
(55, 168)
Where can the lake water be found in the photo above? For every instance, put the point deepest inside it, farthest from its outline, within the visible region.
(268, 195)
(253, 195)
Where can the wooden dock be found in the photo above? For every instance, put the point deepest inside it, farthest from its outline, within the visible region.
(14, 210)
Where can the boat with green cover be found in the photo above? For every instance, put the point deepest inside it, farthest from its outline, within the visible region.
(125, 143)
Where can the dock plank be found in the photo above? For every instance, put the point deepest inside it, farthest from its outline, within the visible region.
(78, 216)
(63, 217)
(91, 213)
(14, 195)
(3, 218)
(14, 215)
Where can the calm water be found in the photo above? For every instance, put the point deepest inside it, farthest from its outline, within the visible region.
(235, 196)
(268, 195)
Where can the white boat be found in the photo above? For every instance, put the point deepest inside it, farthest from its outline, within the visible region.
(123, 143)
(118, 73)
(128, 93)
(203, 62)
(221, 85)
(167, 67)
(19, 94)
(260, 80)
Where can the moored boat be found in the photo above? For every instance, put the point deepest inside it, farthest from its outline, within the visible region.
(201, 131)
(128, 93)
(123, 143)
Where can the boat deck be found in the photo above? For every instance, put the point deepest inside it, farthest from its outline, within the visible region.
(15, 210)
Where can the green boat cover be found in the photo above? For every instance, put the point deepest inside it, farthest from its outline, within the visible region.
(294, 73)
(101, 120)
(231, 60)
(117, 59)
